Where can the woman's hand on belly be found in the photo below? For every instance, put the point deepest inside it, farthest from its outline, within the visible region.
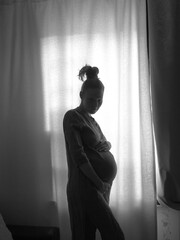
(105, 188)
(103, 146)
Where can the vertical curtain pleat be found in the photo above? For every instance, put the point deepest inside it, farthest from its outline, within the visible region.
(26, 176)
(164, 36)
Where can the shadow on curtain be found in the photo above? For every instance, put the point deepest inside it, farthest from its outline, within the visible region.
(164, 32)
(44, 44)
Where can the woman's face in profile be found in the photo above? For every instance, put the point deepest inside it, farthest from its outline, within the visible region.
(91, 100)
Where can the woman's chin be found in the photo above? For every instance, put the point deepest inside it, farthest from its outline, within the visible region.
(93, 111)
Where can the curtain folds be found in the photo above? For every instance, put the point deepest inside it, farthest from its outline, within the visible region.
(44, 44)
(164, 36)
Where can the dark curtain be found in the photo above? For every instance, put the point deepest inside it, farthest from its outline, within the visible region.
(164, 53)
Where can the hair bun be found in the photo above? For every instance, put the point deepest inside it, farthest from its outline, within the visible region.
(90, 72)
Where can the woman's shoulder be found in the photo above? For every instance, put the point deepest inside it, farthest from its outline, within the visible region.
(72, 113)
(72, 116)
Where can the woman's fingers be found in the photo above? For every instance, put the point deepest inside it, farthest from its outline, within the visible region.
(102, 146)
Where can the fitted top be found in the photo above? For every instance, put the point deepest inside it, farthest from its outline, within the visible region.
(82, 133)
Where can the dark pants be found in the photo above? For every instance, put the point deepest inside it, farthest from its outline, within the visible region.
(89, 210)
(98, 215)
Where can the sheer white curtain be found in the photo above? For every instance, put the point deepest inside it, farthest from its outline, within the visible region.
(51, 41)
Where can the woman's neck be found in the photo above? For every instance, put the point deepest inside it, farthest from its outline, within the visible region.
(83, 111)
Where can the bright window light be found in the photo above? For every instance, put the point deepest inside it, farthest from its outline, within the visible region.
(51, 71)
(61, 61)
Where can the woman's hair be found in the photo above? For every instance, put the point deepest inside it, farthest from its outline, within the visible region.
(89, 76)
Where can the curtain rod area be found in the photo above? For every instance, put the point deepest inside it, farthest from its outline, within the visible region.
(10, 2)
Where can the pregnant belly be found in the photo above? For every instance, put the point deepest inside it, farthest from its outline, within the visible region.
(103, 163)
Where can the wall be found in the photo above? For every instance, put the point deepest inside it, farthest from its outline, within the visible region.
(168, 223)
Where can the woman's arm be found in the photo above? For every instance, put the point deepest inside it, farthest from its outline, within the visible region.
(89, 172)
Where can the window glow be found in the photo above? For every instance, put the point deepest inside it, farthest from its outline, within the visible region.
(120, 110)
(51, 71)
